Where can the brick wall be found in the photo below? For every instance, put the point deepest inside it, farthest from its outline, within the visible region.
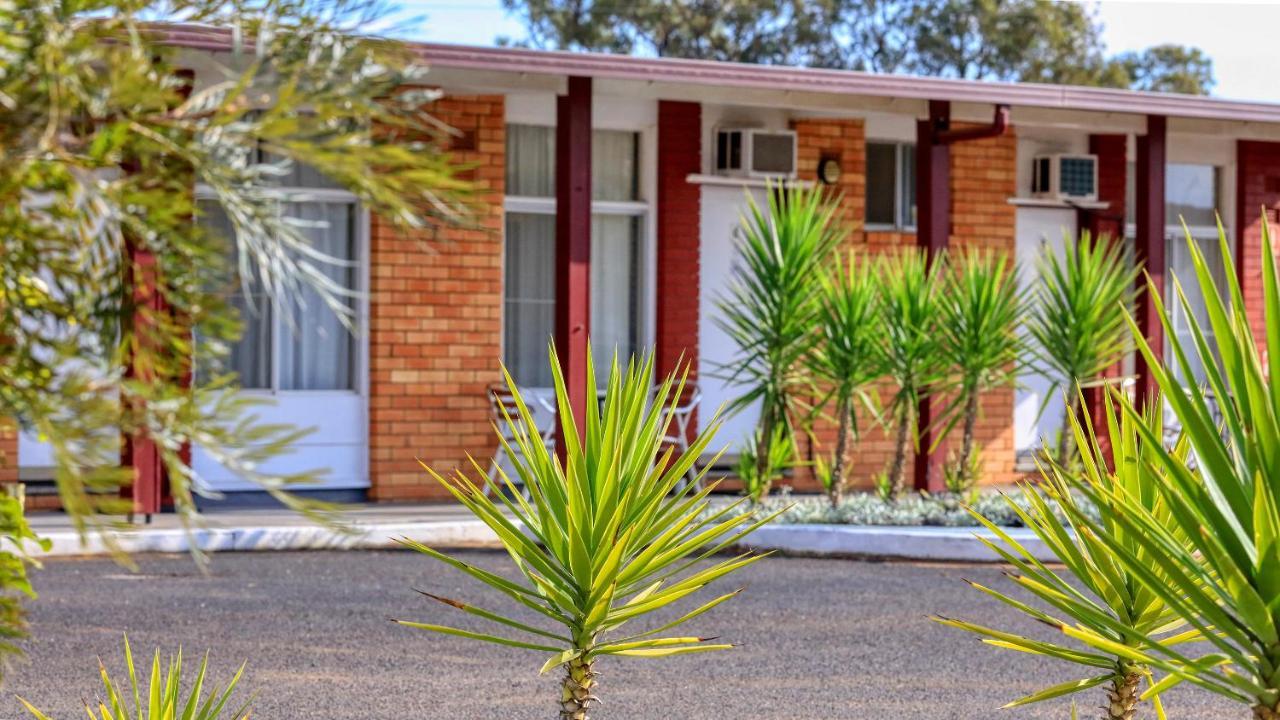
(8, 451)
(435, 323)
(1257, 187)
(678, 224)
(983, 178)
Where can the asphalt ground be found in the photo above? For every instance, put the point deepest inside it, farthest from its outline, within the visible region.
(820, 638)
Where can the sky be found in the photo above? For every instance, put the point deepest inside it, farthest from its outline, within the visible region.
(1241, 37)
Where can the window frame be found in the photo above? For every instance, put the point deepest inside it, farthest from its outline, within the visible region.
(641, 209)
(900, 223)
(361, 221)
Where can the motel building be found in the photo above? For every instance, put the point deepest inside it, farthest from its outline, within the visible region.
(638, 170)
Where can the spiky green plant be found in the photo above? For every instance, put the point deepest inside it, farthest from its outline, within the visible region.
(1092, 591)
(1077, 319)
(847, 359)
(771, 308)
(961, 480)
(781, 450)
(1224, 495)
(981, 310)
(910, 310)
(165, 697)
(609, 533)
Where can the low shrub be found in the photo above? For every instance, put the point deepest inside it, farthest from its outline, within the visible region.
(942, 510)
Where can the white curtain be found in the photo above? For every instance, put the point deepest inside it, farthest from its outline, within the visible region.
(531, 161)
(529, 297)
(1178, 252)
(250, 357)
(1191, 194)
(318, 353)
(613, 165)
(614, 286)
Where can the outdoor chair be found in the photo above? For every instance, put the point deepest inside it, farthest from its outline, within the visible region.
(678, 430)
(505, 413)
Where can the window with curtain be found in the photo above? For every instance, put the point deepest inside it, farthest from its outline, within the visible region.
(891, 185)
(617, 259)
(307, 348)
(1192, 194)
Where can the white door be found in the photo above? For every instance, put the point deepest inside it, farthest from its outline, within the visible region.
(722, 209)
(1039, 230)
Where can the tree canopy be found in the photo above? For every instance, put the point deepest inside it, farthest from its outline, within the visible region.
(115, 312)
(1010, 40)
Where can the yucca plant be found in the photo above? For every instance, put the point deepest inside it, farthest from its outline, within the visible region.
(910, 310)
(981, 310)
(770, 310)
(1093, 591)
(847, 359)
(608, 535)
(165, 697)
(1077, 319)
(781, 457)
(1224, 496)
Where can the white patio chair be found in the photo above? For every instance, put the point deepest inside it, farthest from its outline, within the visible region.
(505, 413)
(681, 418)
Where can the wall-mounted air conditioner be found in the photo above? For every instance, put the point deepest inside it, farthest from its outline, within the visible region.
(757, 153)
(1065, 177)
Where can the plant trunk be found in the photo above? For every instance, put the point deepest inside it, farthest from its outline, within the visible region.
(1122, 697)
(764, 444)
(898, 471)
(1262, 712)
(577, 694)
(966, 444)
(836, 491)
(1066, 436)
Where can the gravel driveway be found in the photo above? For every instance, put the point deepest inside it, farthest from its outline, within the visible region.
(820, 639)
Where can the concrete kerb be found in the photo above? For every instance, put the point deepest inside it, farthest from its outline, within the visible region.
(888, 542)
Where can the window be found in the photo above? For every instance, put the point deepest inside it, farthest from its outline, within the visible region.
(1192, 194)
(891, 185)
(311, 350)
(617, 250)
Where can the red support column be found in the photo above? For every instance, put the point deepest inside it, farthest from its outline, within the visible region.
(140, 452)
(1107, 223)
(1149, 242)
(933, 231)
(573, 241)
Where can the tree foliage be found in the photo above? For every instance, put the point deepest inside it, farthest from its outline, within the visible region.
(114, 309)
(1012, 40)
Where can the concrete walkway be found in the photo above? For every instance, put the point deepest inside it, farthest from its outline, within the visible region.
(377, 526)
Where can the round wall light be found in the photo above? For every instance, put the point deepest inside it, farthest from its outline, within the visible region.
(829, 170)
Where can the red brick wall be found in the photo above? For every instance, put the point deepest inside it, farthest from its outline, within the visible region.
(983, 178)
(679, 217)
(8, 451)
(436, 324)
(1257, 187)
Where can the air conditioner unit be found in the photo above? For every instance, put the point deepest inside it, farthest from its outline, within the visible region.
(1065, 177)
(757, 153)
